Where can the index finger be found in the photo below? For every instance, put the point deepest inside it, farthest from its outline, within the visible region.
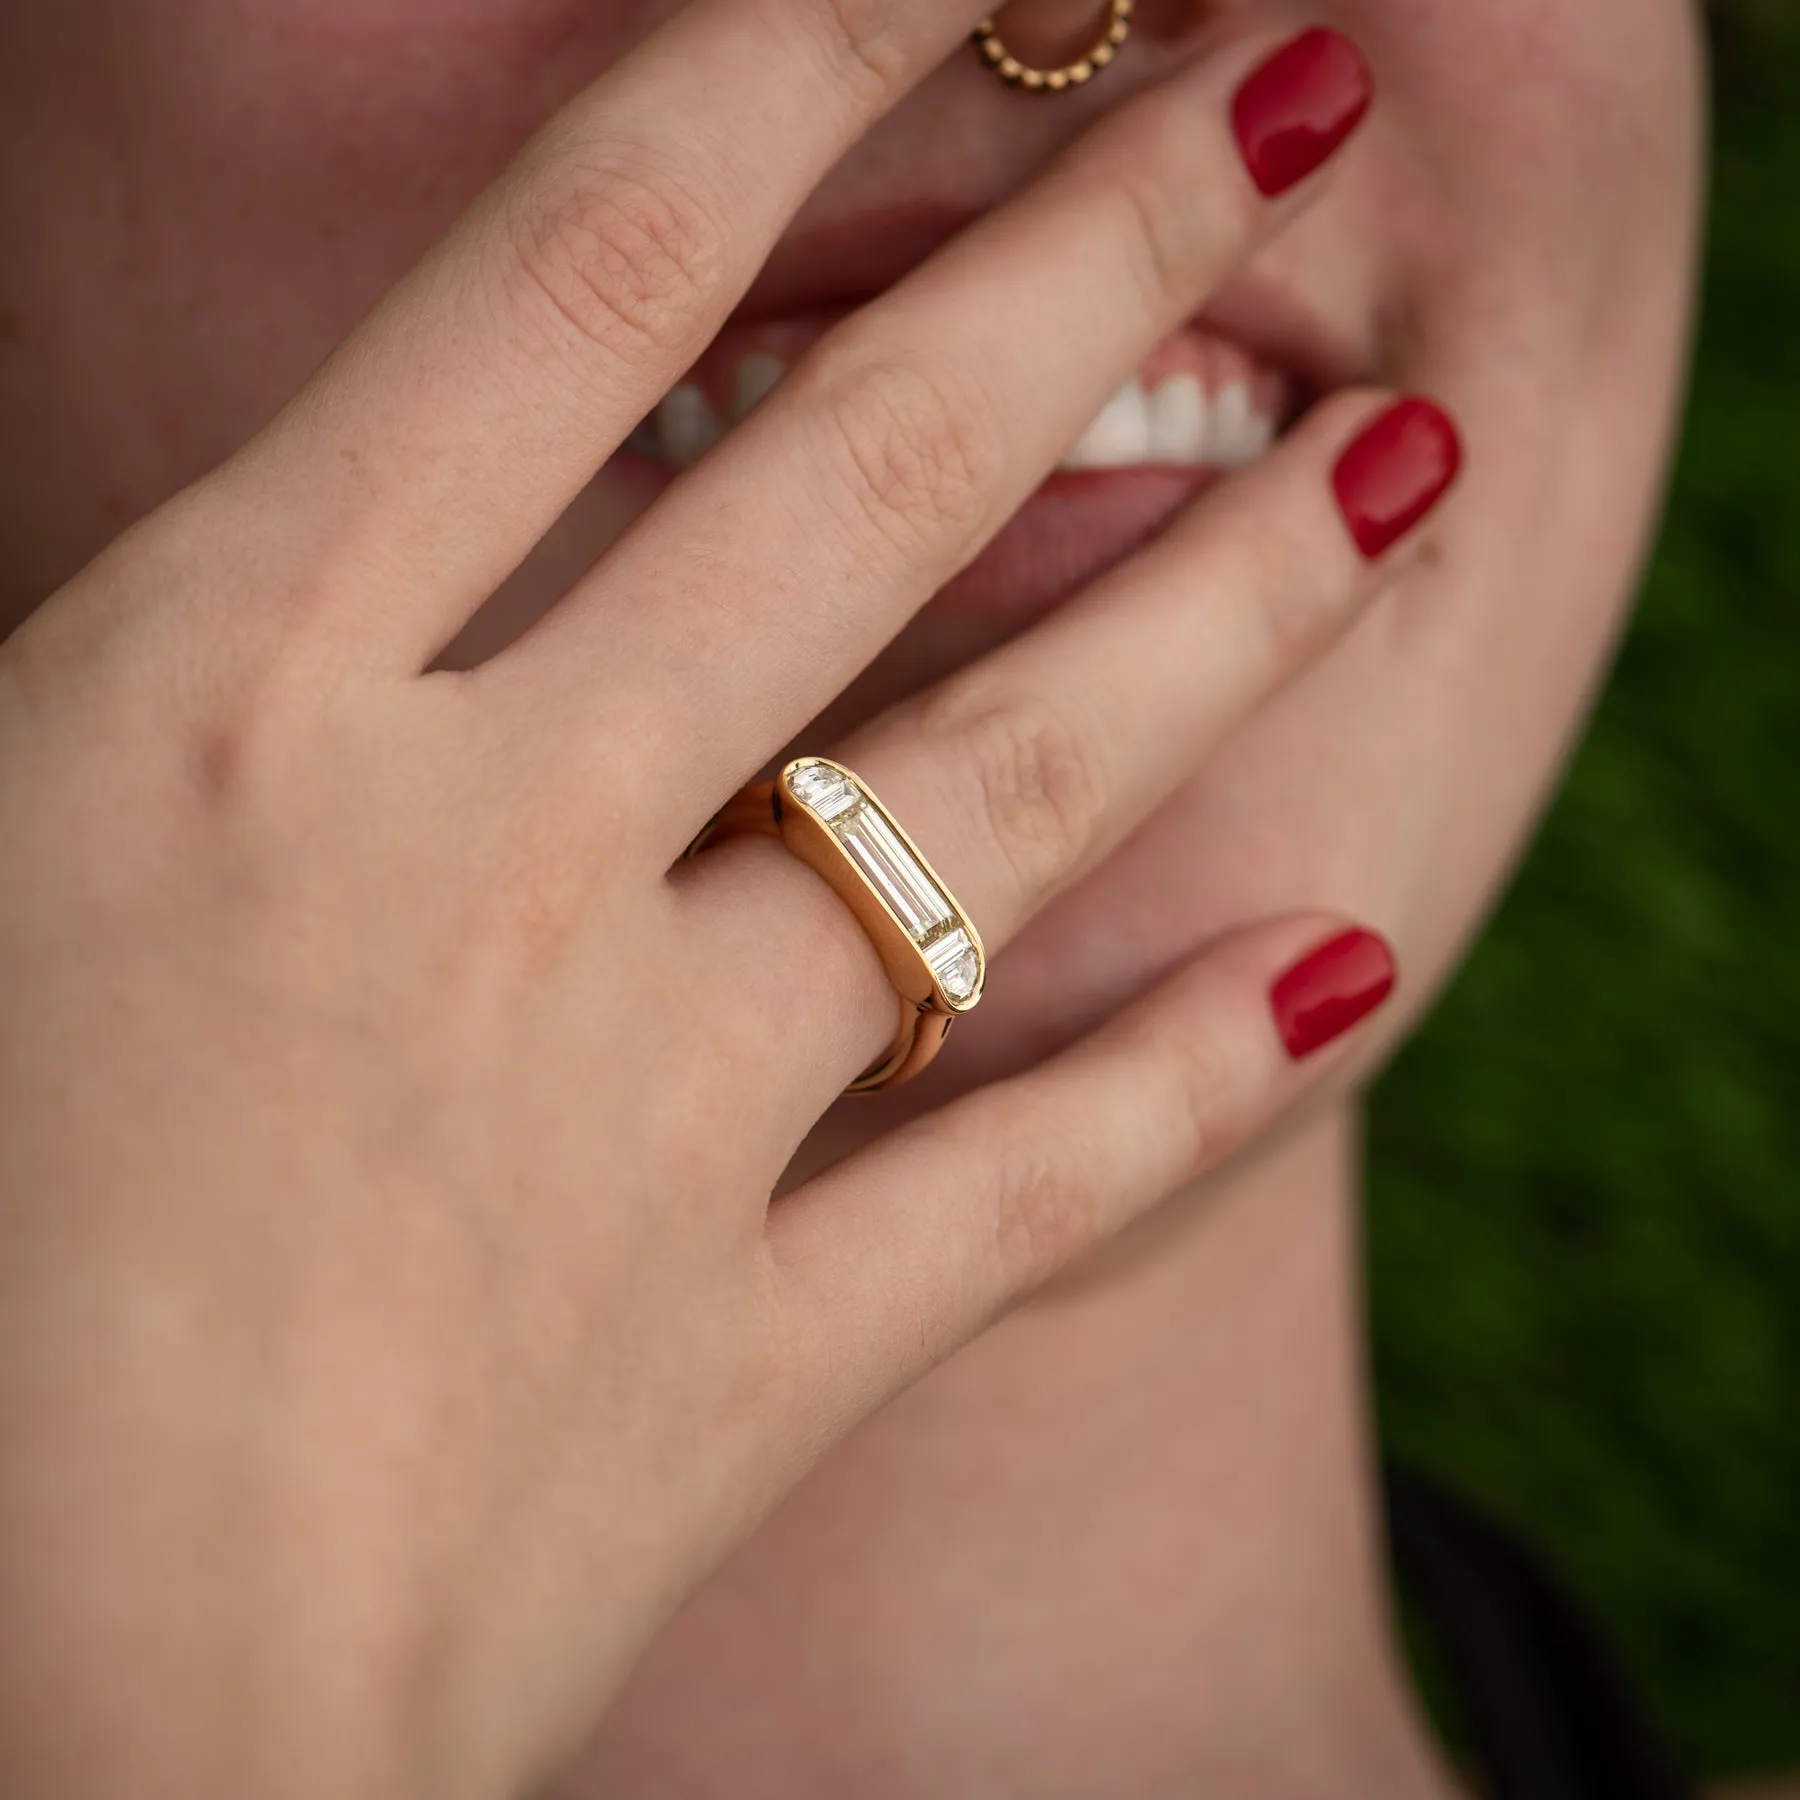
(453, 426)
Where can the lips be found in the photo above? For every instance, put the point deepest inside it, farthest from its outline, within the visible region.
(1209, 400)
(1196, 402)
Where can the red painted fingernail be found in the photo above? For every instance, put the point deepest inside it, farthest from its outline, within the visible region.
(1330, 988)
(1394, 472)
(1295, 109)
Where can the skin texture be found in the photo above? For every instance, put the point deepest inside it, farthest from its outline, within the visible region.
(1125, 1541)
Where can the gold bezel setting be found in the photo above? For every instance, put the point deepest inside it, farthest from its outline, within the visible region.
(928, 945)
(826, 817)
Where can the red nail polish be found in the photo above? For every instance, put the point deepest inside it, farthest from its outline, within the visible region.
(1330, 988)
(1393, 473)
(1295, 109)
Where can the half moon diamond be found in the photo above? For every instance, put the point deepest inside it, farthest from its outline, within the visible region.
(827, 791)
(955, 964)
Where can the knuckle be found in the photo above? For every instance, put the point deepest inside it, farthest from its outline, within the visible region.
(623, 250)
(1294, 605)
(1209, 1099)
(1044, 1219)
(1195, 1108)
(1161, 249)
(1039, 780)
(252, 738)
(1175, 250)
(921, 451)
(861, 40)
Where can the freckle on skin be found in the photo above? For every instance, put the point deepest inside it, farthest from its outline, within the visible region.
(12, 327)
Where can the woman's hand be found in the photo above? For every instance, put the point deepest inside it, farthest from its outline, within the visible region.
(396, 1321)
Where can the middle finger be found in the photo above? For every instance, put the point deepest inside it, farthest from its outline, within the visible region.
(765, 579)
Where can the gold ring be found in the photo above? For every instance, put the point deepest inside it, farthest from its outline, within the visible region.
(1053, 81)
(932, 953)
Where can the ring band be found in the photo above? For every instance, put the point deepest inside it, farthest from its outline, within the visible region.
(931, 951)
(1084, 68)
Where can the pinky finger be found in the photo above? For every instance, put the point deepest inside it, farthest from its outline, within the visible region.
(894, 1258)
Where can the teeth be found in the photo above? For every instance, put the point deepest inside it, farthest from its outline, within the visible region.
(687, 425)
(1119, 436)
(1230, 424)
(1175, 423)
(1259, 434)
(1178, 421)
(757, 374)
(1238, 434)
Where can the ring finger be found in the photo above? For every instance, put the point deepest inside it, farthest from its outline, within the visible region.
(1021, 771)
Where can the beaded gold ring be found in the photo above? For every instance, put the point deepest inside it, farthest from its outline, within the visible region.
(1055, 81)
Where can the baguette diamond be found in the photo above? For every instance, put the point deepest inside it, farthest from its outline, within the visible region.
(893, 870)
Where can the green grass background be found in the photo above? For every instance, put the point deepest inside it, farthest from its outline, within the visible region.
(1585, 1189)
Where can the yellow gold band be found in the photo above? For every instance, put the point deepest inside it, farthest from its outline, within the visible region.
(930, 949)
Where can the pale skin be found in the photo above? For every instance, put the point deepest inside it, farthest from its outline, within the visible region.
(397, 1329)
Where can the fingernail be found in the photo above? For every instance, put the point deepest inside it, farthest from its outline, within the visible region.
(1394, 472)
(1293, 110)
(1330, 988)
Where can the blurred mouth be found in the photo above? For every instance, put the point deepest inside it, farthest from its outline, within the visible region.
(1197, 402)
(1209, 400)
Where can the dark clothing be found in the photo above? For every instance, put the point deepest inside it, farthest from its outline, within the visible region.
(1547, 1711)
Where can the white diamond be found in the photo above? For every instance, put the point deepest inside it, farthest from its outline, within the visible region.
(823, 789)
(954, 962)
(893, 871)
